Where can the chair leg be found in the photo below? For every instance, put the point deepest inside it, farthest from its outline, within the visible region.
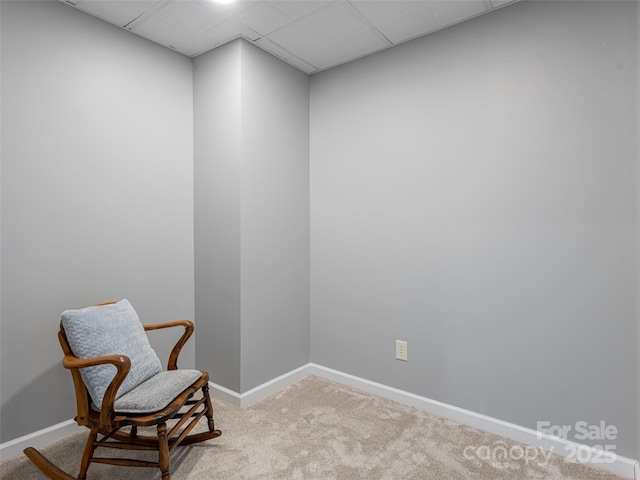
(89, 448)
(209, 406)
(164, 461)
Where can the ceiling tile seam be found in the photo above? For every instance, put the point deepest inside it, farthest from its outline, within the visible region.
(153, 10)
(313, 68)
(487, 4)
(297, 19)
(284, 50)
(291, 18)
(253, 41)
(381, 49)
(489, 9)
(152, 7)
(241, 26)
(371, 25)
(365, 26)
(313, 12)
(130, 25)
(148, 13)
(208, 49)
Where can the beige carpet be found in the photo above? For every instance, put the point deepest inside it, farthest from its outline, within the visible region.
(317, 429)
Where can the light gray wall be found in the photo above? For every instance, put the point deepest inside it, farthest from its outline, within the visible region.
(474, 193)
(252, 215)
(275, 217)
(638, 238)
(217, 184)
(97, 193)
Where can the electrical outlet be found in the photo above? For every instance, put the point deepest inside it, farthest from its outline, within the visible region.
(401, 350)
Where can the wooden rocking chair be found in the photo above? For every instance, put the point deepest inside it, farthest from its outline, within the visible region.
(136, 393)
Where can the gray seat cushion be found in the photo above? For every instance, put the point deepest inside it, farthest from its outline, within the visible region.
(110, 330)
(157, 392)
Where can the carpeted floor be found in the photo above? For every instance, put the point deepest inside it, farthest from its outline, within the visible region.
(317, 429)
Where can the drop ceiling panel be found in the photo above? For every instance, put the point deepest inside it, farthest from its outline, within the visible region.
(118, 13)
(382, 10)
(301, 8)
(311, 35)
(447, 12)
(336, 20)
(190, 16)
(226, 9)
(398, 20)
(275, 49)
(188, 26)
(159, 30)
(409, 25)
(263, 18)
(220, 34)
(321, 29)
(297, 37)
(356, 45)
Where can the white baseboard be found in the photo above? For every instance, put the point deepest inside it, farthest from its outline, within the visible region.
(224, 394)
(619, 465)
(38, 439)
(261, 391)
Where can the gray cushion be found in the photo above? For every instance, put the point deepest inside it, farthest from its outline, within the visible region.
(157, 392)
(110, 330)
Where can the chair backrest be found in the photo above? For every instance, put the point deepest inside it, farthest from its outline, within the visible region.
(110, 329)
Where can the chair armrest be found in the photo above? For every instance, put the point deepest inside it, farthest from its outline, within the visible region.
(122, 364)
(175, 352)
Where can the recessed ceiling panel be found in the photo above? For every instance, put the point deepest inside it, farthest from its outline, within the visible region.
(364, 42)
(275, 49)
(192, 15)
(227, 9)
(323, 27)
(328, 56)
(301, 8)
(297, 37)
(157, 29)
(382, 10)
(448, 12)
(335, 21)
(118, 13)
(310, 34)
(218, 35)
(405, 27)
(354, 46)
(263, 18)
(398, 21)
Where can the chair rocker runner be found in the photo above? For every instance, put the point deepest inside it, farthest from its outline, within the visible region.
(119, 382)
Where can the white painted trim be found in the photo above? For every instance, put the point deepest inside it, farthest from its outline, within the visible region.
(261, 391)
(273, 386)
(224, 394)
(14, 448)
(620, 465)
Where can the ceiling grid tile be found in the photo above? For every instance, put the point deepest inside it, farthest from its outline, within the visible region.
(311, 35)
